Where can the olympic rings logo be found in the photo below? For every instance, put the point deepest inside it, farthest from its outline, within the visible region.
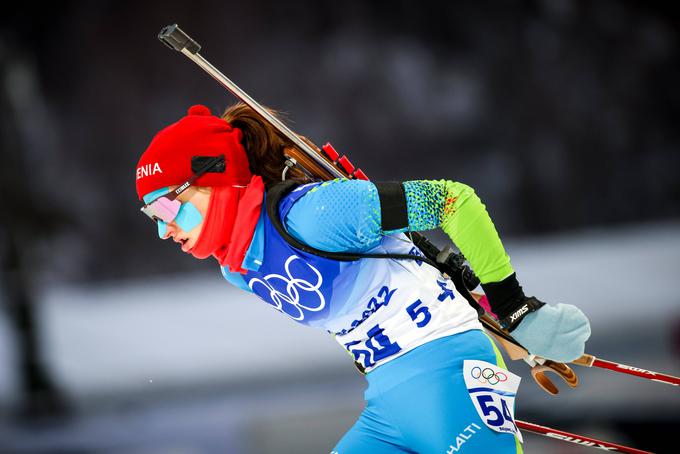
(487, 375)
(289, 302)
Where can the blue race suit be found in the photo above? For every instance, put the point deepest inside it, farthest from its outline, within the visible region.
(401, 320)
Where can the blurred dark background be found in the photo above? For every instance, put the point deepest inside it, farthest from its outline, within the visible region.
(561, 114)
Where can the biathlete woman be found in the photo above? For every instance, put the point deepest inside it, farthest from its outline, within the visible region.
(436, 381)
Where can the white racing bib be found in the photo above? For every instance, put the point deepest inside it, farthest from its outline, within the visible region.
(493, 390)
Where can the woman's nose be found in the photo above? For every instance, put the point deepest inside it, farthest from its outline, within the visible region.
(167, 229)
(162, 230)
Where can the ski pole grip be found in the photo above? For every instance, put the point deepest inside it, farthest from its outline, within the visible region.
(173, 37)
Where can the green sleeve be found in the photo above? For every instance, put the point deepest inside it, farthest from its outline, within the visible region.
(460, 213)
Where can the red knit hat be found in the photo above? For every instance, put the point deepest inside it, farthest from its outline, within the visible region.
(167, 160)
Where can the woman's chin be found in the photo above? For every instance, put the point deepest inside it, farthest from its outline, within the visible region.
(188, 246)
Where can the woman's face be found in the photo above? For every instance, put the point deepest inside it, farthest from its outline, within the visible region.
(199, 198)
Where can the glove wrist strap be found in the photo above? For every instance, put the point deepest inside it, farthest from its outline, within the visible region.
(508, 301)
(527, 306)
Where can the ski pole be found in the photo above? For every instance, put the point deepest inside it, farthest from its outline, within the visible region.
(516, 351)
(591, 361)
(578, 439)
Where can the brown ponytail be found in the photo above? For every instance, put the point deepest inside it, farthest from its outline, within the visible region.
(264, 145)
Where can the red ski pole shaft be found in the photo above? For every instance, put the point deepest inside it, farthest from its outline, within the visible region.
(592, 361)
(656, 376)
(578, 439)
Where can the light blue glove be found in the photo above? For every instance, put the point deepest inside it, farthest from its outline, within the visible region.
(555, 332)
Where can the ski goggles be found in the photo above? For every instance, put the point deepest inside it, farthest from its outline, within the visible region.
(166, 207)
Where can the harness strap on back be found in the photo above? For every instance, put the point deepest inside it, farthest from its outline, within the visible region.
(280, 190)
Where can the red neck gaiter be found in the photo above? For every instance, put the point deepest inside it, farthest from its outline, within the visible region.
(230, 223)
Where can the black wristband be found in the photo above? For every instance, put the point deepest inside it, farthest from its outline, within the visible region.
(505, 296)
(508, 302)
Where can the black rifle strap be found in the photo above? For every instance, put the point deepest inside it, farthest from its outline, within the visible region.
(280, 190)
